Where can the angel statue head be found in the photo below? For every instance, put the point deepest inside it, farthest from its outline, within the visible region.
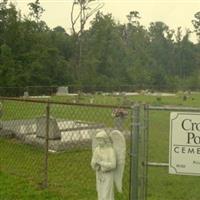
(108, 161)
(103, 139)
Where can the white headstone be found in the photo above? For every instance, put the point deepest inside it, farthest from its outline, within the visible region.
(91, 100)
(62, 91)
(26, 94)
(41, 127)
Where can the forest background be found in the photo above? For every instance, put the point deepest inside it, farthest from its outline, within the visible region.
(112, 54)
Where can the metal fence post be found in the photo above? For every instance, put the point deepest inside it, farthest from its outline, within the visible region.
(135, 152)
(46, 146)
(146, 148)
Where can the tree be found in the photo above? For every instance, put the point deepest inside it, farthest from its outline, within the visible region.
(133, 17)
(3, 14)
(7, 66)
(86, 8)
(104, 52)
(137, 41)
(196, 24)
(35, 10)
(114, 54)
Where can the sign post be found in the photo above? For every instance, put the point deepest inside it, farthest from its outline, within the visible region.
(184, 147)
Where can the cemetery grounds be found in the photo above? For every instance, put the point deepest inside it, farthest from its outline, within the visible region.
(161, 185)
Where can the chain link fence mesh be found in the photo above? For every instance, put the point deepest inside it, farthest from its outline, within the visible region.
(167, 186)
(18, 124)
(61, 162)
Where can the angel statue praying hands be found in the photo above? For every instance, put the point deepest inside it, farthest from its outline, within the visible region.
(108, 161)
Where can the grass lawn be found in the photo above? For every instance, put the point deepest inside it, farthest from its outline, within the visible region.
(70, 175)
(16, 188)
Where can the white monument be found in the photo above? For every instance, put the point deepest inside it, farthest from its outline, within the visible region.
(108, 160)
(184, 149)
(62, 91)
(41, 125)
(26, 94)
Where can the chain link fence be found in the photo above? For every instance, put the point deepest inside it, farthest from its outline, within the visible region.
(154, 180)
(50, 143)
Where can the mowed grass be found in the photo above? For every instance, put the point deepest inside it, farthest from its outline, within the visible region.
(14, 187)
(162, 185)
(70, 175)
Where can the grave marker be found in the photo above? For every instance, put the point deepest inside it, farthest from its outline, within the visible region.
(54, 132)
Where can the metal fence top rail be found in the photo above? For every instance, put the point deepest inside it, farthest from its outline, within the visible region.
(64, 103)
(173, 108)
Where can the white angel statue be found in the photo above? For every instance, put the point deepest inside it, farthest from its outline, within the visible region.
(108, 161)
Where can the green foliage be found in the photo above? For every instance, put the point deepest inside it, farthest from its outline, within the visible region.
(15, 187)
(35, 10)
(112, 54)
(196, 24)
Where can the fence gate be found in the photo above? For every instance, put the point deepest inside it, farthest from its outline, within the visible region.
(27, 153)
(150, 122)
(50, 143)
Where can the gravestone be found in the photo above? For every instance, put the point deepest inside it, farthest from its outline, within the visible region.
(41, 125)
(26, 94)
(62, 91)
(91, 100)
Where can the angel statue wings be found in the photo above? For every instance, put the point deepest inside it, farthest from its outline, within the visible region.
(108, 161)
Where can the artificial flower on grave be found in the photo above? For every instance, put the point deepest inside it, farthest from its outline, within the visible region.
(119, 112)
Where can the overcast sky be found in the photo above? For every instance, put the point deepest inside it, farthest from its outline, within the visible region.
(172, 12)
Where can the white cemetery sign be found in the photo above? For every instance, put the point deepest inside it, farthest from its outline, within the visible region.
(184, 147)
